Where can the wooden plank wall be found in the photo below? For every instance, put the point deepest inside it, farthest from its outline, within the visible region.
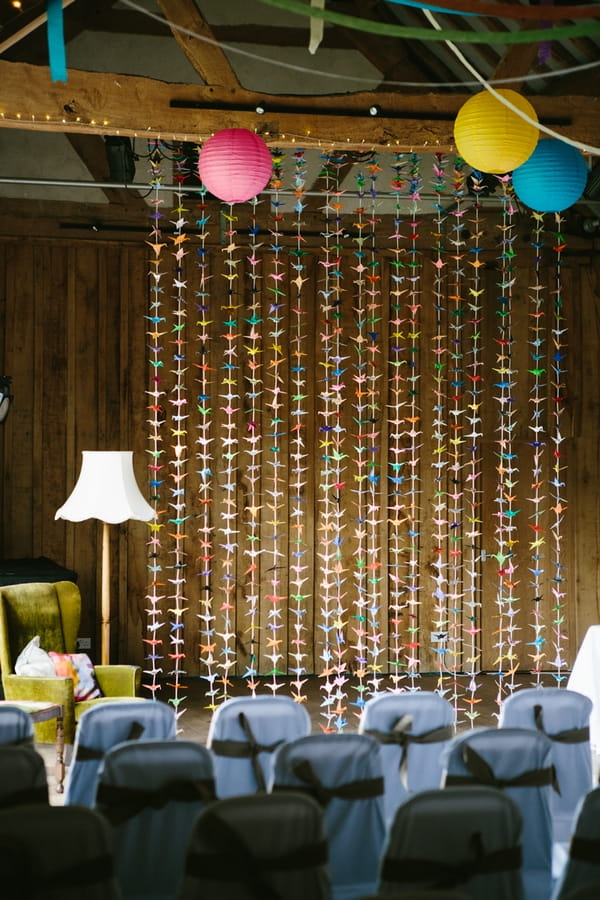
(74, 340)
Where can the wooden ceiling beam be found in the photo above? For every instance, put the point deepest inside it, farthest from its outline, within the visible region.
(103, 103)
(209, 61)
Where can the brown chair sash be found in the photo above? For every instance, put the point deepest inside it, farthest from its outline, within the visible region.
(118, 804)
(482, 773)
(440, 874)
(352, 790)
(569, 736)
(228, 843)
(401, 735)
(585, 849)
(248, 749)
(85, 754)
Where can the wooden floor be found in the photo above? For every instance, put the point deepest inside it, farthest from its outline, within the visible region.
(195, 714)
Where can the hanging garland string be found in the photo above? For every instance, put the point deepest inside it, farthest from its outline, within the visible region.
(456, 422)
(438, 565)
(360, 572)
(299, 514)
(399, 576)
(558, 481)
(337, 465)
(507, 457)
(227, 528)
(253, 391)
(205, 386)
(413, 434)
(375, 554)
(538, 402)
(177, 399)
(155, 422)
(275, 493)
(473, 547)
(439, 630)
(331, 587)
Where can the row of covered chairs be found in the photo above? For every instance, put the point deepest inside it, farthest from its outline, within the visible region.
(263, 743)
(156, 832)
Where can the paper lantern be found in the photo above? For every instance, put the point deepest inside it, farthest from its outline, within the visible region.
(491, 137)
(235, 165)
(553, 178)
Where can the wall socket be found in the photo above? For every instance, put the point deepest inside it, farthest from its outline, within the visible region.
(84, 643)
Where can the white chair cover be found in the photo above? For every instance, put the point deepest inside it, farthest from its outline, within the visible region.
(16, 725)
(22, 776)
(344, 773)
(56, 853)
(258, 847)
(243, 734)
(519, 761)
(459, 838)
(151, 793)
(413, 728)
(100, 728)
(564, 716)
(583, 863)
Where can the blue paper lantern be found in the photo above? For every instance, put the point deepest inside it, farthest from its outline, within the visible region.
(553, 178)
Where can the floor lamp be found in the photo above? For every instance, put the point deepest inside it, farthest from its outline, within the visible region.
(106, 490)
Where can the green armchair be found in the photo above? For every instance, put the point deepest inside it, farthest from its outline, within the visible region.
(53, 612)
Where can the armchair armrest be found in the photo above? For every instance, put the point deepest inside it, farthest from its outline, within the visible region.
(119, 680)
(48, 690)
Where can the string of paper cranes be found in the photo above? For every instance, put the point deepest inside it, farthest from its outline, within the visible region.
(548, 174)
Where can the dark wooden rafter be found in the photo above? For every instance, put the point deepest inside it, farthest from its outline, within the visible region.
(101, 103)
(207, 58)
(396, 60)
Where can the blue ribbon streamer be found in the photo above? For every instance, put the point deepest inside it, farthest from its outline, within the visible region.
(440, 9)
(56, 41)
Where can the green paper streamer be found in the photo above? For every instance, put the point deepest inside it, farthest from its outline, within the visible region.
(536, 35)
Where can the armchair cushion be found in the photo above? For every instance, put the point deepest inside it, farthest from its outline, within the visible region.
(80, 668)
(33, 660)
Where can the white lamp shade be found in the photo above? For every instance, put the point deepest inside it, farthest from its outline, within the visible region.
(106, 489)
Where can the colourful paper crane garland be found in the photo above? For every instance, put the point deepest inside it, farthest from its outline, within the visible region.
(300, 575)
(254, 404)
(472, 534)
(204, 382)
(558, 481)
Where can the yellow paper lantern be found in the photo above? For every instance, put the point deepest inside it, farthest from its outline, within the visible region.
(491, 137)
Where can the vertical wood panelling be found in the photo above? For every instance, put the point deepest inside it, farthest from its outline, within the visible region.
(75, 343)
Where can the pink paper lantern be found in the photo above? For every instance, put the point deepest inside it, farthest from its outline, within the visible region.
(235, 165)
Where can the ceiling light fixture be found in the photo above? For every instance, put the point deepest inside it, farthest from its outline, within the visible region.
(374, 110)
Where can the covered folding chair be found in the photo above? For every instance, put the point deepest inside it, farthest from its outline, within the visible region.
(459, 838)
(56, 853)
(583, 863)
(258, 847)
(22, 776)
(419, 895)
(344, 773)
(16, 725)
(242, 736)
(413, 728)
(151, 793)
(519, 761)
(103, 726)
(564, 716)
